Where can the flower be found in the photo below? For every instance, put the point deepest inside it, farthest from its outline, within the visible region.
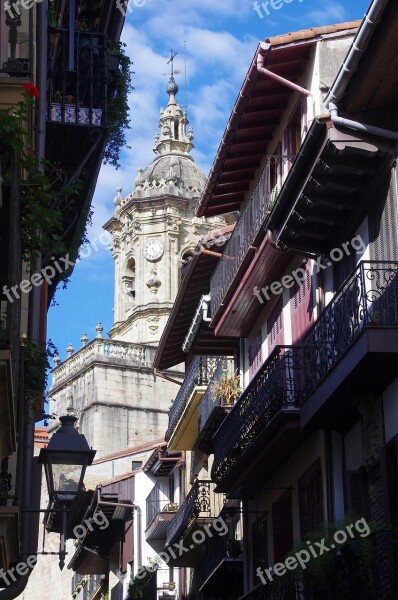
(31, 90)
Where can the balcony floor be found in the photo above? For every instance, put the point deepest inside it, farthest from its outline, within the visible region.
(369, 366)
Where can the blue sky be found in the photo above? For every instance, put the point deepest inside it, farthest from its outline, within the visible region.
(221, 38)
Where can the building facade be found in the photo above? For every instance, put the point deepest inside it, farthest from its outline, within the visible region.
(296, 425)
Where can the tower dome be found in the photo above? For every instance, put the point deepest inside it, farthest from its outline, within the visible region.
(173, 170)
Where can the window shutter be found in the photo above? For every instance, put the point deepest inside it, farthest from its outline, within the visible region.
(301, 306)
(282, 525)
(383, 225)
(275, 326)
(127, 546)
(255, 355)
(259, 545)
(311, 499)
(356, 493)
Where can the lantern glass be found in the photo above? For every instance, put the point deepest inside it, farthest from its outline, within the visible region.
(65, 474)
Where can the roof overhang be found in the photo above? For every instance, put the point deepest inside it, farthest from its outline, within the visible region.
(256, 115)
(195, 283)
(328, 188)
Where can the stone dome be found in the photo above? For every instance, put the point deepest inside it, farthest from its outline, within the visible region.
(178, 170)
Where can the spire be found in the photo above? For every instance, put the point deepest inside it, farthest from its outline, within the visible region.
(173, 121)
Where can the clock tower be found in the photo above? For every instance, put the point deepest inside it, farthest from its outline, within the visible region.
(154, 230)
(116, 398)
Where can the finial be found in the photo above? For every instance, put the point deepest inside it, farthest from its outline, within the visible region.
(99, 329)
(118, 199)
(139, 180)
(172, 87)
(56, 360)
(70, 350)
(84, 339)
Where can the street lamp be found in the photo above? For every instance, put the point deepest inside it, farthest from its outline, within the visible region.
(65, 460)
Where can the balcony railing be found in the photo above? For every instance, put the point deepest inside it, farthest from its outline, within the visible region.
(80, 96)
(247, 228)
(211, 405)
(217, 549)
(200, 502)
(369, 298)
(199, 374)
(278, 385)
(344, 577)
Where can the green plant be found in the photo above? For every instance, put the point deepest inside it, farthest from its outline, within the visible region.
(52, 16)
(139, 584)
(36, 369)
(227, 387)
(41, 204)
(325, 572)
(118, 108)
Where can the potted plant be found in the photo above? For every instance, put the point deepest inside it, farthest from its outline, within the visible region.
(227, 388)
(52, 17)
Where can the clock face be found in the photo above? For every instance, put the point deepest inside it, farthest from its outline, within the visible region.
(153, 250)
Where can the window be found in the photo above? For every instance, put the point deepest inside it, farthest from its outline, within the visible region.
(136, 464)
(255, 355)
(282, 525)
(129, 278)
(301, 306)
(311, 499)
(259, 545)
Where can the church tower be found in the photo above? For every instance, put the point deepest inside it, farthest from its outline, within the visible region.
(154, 230)
(118, 401)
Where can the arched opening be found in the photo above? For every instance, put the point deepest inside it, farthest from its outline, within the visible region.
(176, 128)
(129, 278)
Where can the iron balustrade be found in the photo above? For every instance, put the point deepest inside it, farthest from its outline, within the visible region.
(368, 298)
(218, 548)
(79, 96)
(279, 384)
(198, 503)
(209, 401)
(250, 223)
(199, 374)
(363, 569)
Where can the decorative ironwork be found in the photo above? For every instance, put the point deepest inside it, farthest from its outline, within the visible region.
(250, 223)
(199, 374)
(368, 298)
(79, 96)
(197, 504)
(278, 385)
(5, 481)
(210, 402)
(154, 505)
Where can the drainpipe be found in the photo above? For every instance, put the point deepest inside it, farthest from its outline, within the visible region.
(358, 47)
(369, 129)
(260, 67)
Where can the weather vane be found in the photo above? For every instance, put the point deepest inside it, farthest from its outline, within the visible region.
(172, 57)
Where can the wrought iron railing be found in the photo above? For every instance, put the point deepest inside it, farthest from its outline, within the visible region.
(279, 384)
(210, 401)
(77, 96)
(218, 548)
(355, 573)
(198, 503)
(368, 298)
(199, 374)
(250, 223)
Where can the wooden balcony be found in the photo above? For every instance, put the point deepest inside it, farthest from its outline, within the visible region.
(182, 431)
(352, 347)
(266, 418)
(248, 233)
(213, 409)
(200, 507)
